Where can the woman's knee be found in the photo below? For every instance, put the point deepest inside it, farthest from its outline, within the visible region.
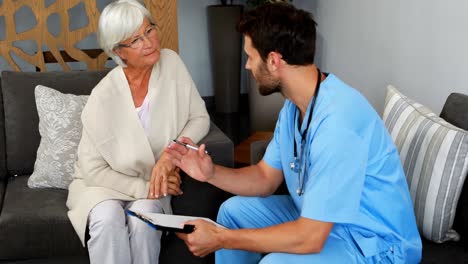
(136, 225)
(108, 213)
(147, 205)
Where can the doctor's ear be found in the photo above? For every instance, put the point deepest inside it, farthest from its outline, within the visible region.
(274, 60)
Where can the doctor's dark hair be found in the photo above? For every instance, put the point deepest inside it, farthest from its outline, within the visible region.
(282, 28)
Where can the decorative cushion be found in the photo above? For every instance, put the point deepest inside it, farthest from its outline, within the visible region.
(60, 129)
(19, 112)
(434, 155)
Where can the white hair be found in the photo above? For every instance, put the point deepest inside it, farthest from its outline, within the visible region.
(118, 21)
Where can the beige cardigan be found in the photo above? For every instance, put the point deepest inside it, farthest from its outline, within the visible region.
(115, 157)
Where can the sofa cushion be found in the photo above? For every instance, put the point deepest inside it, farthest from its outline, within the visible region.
(448, 252)
(53, 260)
(34, 223)
(21, 118)
(60, 128)
(455, 112)
(434, 155)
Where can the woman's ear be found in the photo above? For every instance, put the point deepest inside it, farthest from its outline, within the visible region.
(119, 53)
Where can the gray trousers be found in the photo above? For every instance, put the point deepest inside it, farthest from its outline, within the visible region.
(116, 237)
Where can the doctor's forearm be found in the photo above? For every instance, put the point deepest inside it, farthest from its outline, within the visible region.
(290, 237)
(247, 181)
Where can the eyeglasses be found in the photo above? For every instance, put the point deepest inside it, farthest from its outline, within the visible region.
(137, 42)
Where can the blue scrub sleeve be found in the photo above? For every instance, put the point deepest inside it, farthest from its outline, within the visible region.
(273, 152)
(337, 169)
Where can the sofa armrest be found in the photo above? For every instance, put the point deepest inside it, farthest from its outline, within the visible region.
(455, 109)
(220, 146)
(200, 198)
(3, 171)
(257, 149)
(2, 192)
(454, 112)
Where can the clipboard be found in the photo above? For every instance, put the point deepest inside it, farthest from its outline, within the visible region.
(166, 222)
(184, 229)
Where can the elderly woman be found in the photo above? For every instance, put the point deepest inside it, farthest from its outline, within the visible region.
(130, 117)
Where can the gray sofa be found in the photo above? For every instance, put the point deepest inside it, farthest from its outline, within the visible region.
(34, 227)
(455, 111)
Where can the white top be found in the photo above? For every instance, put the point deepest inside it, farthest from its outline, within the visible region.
(144, 115)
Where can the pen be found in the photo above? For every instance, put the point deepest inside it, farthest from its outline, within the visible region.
(189, 146)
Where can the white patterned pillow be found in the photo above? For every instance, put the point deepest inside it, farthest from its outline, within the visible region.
(60, 128)
(434, 155)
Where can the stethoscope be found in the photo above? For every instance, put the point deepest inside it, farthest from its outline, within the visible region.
(298, 165)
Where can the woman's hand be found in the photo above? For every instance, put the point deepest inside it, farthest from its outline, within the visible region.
(173, 183)
(163, 175)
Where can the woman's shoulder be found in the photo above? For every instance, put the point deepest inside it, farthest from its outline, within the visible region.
(107, 85)
(104, 91)
(169, 56)
(171, 64)
(112, 76)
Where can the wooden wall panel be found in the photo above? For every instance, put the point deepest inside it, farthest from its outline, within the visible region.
(165, 13)
(62, 47)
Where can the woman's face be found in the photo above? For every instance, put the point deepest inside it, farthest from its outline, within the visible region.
(142, 49)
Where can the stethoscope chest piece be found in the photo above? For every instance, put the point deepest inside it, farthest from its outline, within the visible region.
(294, 165)
(300, 191)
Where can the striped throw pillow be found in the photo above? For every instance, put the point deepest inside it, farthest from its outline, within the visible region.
(434, 155)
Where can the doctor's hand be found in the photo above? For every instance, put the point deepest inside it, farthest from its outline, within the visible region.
(205, 239)
(197, 164)
(163, 176)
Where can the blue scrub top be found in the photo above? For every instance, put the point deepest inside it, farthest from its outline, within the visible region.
(354, 176)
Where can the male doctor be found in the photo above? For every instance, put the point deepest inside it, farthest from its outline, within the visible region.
(349, 200)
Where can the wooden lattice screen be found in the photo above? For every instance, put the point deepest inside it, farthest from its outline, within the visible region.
(62, 46)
